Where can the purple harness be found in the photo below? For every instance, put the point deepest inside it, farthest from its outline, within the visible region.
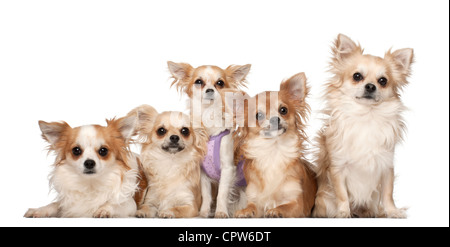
(211, 163)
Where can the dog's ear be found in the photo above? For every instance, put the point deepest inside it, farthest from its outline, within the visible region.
(126, 125)
(52, 132)
(295, 86)
(344, 47)
(402, 59)
(181, 73)
(236, 75)
(144, 117)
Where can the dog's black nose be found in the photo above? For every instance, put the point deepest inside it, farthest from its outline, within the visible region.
(275, 121)
(370, 88)
(174, 138)
(209, 91)
(89, 164)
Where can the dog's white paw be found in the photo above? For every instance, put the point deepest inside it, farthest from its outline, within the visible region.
(343, 214)
(274, 213)
(166, 214)
(43, 212)
(142, 213)
(398, 213)
(221, 215)
(103, 213)
(343, 211)
(204, 213)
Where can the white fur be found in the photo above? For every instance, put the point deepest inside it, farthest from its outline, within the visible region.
(106, 193)
(81, 195)
(364, 138)
(272, 156)
(356, 147)
(168, 187)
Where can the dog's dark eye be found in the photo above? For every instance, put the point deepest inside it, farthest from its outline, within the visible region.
(220, 83)
(357, 76)
(103, 152)
(260, 116)
(198, 82)
(185, 132)
(382, 81)
(283, 110)
(77, 151)
(161, 131)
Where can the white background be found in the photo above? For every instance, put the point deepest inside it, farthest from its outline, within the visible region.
(84, 61)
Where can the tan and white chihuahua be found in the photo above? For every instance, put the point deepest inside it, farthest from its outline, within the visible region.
(171, 154)
(95, 174)
(205, 86)
(280, 181)
(356, 146)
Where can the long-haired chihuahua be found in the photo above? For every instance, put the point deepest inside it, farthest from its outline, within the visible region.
(280, 181)
(356, 146)
(206, 86)
(171, 155)
(95, 174)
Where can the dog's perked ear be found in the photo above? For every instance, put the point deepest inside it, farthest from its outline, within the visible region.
(344, 47)
(52, 132)
(236, 75)
(402, 60)
(145, 116)
(181, 72)
(295, 86)
(127, 126)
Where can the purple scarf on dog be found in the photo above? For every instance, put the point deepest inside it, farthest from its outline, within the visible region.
(211, 163)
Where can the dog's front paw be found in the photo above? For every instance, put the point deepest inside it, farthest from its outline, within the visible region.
(50, 210)
(146, 211)
(30, 213)
(37, 213)
(103, 213)
(221, 215)
(398, 213)
(245, 213)
(142, 214)
(166, 214)
(343, 211)
(343, 214)
(204, 213)
(273, 213)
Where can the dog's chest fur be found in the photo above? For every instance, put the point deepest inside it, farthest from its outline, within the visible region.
(169, 177)
(361, 141)
(272, 158)
(81, 195)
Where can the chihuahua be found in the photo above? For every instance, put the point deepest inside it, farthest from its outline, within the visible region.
(280, 181)
(206, 86)
(95, 174)
(171, 154)
(356, 146)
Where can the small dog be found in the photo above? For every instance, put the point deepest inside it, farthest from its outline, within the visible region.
(280, 181)
(95, 174)
(206, 86)
(171, 153)
(357, 143)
